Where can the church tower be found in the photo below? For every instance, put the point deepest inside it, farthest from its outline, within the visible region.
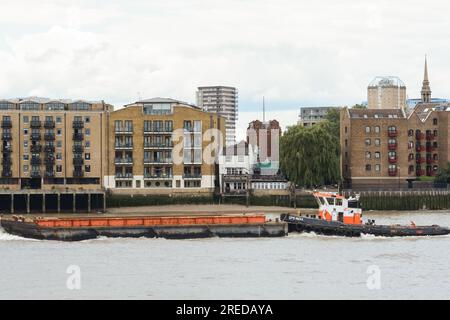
(426, 91)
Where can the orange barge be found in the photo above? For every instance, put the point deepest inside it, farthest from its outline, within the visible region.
(171, 227)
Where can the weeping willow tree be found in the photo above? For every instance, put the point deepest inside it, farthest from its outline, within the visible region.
(310, 155)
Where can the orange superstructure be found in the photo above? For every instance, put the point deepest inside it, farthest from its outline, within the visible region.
(147, 221)
(334, 207)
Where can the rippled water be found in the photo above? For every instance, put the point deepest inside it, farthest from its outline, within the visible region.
(296, 267)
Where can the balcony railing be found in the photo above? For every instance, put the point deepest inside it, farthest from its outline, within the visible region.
(77, 149)
(157, 176)
(49, 148)
(192, 176)
(392, 134)
(35, 161)
(78, 161)
(77, 173)
(151, 161)
(158, 130)
(78, 124)
(36, 148)
(124, 176)
(430, 136)
(123, 131)
(420, 148)
(392, 160)
(420, 160)
(7, 136)
(35, 124)
(6, 161)
(392, 146)
(49, 174)
(6, 173)
(49, 160)
(158, 145)
(49, 124)
(430, 148)
(35, 174)
(6, 124)
(77, 136)
(123, 160)
(7, 149)
(392, 173)
(420, 173)
(35, 136)
(49, 136)
(123, 145)
(431, 173)
(420, 136)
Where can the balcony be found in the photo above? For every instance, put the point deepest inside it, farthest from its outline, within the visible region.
(7, 149)
(430, 136)
(420, 148)
(158, 145)
(125, 131)
(77, 173)
(430, 161)
(77, 149)
(420, 173)
(192, 176)
(49, 148)
(392, 134)
(125, 176)
(48, 124)
(123, 145)
(392, 160)
(392, 146)
(36, 148)
(420, 160)
(35, 174)
(77, 161)
(77, 136)
(49, 136)
(7, 124)
(158, 130)
(35, 124)
(78, 124)
(158, 161)
(49, 161)
(6, 173)
(49, 173)
(392, 172)
(6, 161)
(123, 161)
(430, 148)
(36, 161)
(431, 173)
(35, 136)
(7, 136)
(160, 176)
(420, 136)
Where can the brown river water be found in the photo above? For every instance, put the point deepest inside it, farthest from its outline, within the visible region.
(300, 266)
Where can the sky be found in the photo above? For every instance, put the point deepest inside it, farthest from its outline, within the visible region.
(294, 53)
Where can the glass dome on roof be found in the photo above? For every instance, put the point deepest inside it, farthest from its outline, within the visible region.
(387, 82)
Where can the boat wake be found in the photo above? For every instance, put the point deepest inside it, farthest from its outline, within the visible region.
(4, 236)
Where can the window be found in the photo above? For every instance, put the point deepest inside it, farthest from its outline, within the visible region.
(118, 125)
(88, 144)
(58, 168)
(392, 155)
(377, 129)
(54, 106)
(368, 167)
(368, 155)
(59, 156)
(88, 131)
(26, 119)
(25, 131)
(59, 144)
(367, 129)
(87, 168)
(410, 133)
(59, 132)
(368, 142)
(377, 155)
(435, 133)
(377, 142)
(345, 129)
(157, 108)
(25, 157)
(87, 119)
(435, 121)
(58, 120)
(410, 145)
(25, 143)
(128, 126)
(392, 129)
(87, 156)
(25, 168)
(377, 167)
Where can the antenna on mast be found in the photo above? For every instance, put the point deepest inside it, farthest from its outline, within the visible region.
(264, 110)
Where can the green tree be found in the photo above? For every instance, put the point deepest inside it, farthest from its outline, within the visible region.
(359, 106)
(443, 175)
(310, 155)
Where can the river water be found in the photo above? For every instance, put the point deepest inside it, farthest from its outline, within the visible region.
(303, 266)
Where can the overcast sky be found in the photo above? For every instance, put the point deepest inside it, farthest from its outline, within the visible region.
(295, 53)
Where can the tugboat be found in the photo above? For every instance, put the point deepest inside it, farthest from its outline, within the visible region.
(339, 216)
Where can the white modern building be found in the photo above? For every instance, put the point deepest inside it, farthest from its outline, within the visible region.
(224, 101)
